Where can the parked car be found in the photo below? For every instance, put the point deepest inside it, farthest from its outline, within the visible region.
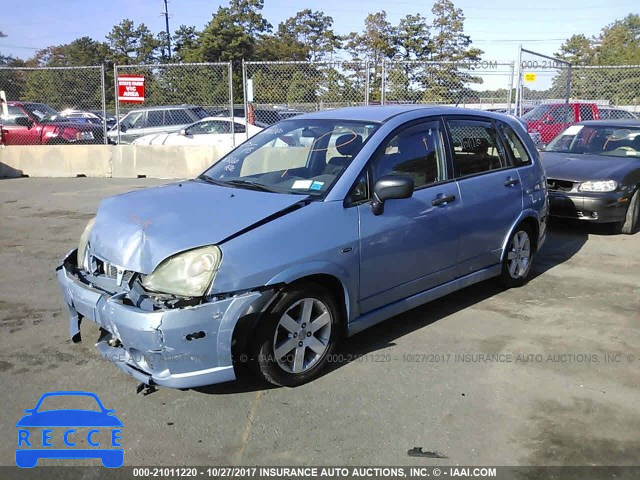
(153, 120)
(263, 116)
(610, 113)
(593, 173)
(93, 116)
(546, 121)
(31, 123)
(282, 247)
(208, 131)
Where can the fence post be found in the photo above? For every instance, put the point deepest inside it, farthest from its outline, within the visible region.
(510, 95)
(518, 106)
(383, 82)
(103, 86)
(115, 86)
(367, 73)
(567, 93)
(233, 129)
(244, 95)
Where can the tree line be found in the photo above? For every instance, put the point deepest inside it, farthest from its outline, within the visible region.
(239, 31)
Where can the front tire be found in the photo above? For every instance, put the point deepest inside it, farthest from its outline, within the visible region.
(517, 261)
(632, 220)
(300, 332)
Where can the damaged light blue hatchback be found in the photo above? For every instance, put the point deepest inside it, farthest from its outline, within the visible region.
(316, 228)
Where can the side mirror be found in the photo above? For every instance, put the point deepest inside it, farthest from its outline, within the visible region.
(24, 122)
(123, 128)
(183, 132)
(388, 188)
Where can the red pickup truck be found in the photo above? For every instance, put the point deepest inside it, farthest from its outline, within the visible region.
(30, 123)
(546, 121)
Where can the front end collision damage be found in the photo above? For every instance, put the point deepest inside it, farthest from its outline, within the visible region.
(178, 347)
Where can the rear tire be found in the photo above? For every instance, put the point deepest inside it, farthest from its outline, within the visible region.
(632, 220)
(298, 335)
(517, 261)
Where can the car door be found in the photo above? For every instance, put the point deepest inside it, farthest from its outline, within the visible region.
(490, 191)
(15, 134)
(219, 133)
(156, 123)
(134, 126)
(412, 245)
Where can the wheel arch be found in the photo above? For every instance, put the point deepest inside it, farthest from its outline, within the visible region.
(530, 219)
(305, 273)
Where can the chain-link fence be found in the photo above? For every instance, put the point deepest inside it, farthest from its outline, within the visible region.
(131, 101)
(277, 90)
(53, 105)
(542, 79)
(553, 94)
(152, 99)
(483, 84)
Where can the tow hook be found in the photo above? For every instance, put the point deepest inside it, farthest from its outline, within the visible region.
(145, 389)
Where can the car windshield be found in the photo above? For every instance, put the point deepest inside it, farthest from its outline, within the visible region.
(598, 140)
(44, 113)
(536, 113)
(294, 156)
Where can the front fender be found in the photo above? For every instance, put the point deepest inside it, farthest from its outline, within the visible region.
(306, 269)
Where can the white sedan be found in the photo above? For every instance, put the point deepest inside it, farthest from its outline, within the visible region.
(208, 131)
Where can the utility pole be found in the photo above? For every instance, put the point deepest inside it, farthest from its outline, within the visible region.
(166, 18)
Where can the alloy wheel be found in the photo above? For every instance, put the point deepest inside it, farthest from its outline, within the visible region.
(519, 255)
(302, 335)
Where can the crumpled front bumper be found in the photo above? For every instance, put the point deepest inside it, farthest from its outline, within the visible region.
(180, 348)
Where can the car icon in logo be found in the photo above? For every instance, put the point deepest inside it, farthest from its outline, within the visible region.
(32, 446)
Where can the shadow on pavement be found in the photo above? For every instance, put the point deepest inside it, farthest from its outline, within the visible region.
(563, 242)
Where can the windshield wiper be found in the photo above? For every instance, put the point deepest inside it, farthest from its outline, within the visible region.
(250, 185)
(208, 179)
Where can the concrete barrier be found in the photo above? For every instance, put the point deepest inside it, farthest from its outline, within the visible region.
(156, 161)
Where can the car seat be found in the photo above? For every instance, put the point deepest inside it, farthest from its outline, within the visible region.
(348, 146)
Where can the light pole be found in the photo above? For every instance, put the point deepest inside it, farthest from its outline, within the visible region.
(166, 19)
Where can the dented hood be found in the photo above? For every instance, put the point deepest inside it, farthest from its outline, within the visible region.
(140, 229)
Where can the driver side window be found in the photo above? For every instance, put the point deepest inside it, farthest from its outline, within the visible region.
(415, 152)
(135, 120)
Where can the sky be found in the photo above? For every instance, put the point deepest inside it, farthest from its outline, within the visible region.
(497, 28)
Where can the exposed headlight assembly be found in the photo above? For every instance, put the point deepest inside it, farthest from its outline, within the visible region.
(598, 186)
(188, 274)
(84, 241)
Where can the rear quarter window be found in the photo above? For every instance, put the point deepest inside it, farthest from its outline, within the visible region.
(514, 145)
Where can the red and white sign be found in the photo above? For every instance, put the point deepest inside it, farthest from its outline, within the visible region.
(131, 88)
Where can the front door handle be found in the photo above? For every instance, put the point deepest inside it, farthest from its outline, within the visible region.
(443, 199)
(510, 182)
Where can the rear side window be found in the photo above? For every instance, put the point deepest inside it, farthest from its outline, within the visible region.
(155, 118)
(585, 113)
(178, 117)
(476, 147)
(562, 114)
(239, 128)
(514, 144)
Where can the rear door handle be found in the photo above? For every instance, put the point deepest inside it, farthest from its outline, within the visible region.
(442, 199)
(510, 182)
